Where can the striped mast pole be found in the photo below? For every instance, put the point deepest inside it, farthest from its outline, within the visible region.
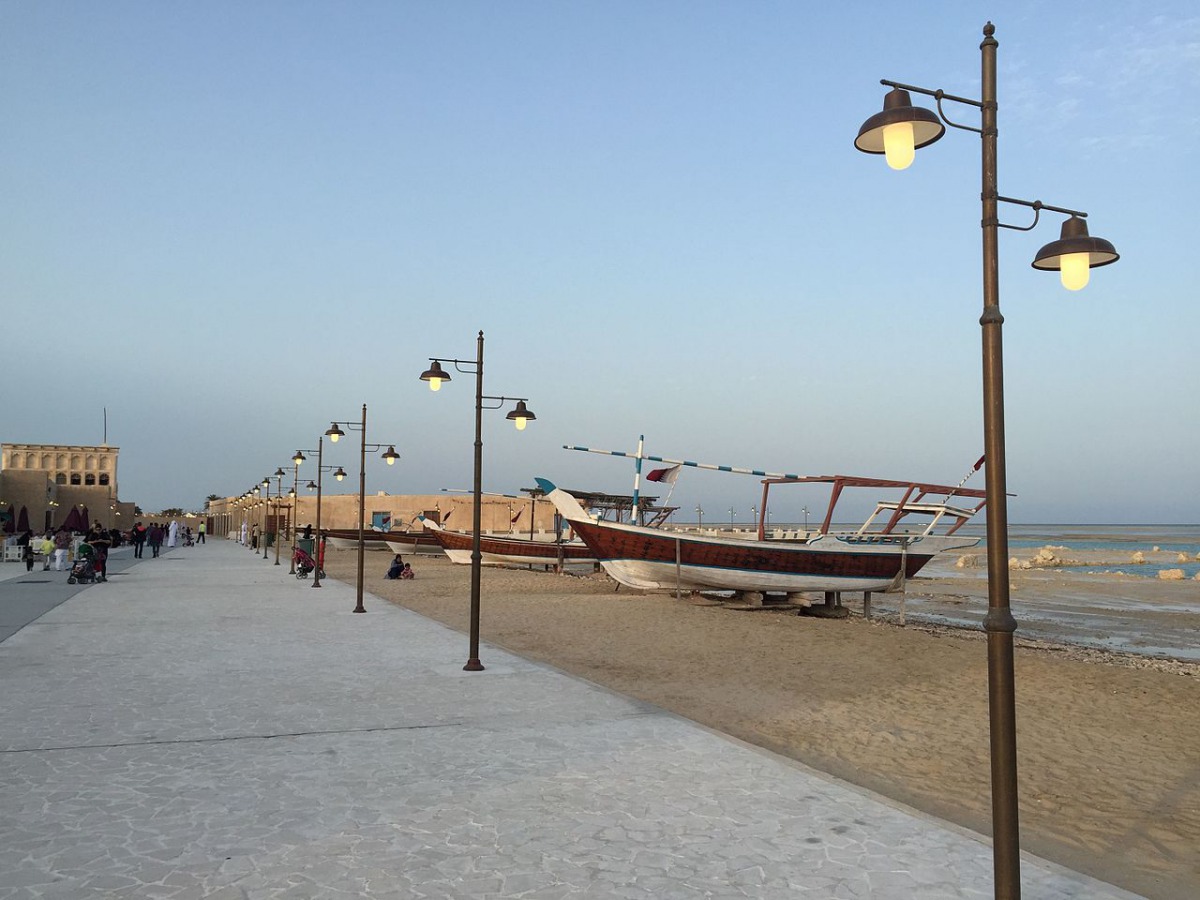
(637, 480)
(737, 470)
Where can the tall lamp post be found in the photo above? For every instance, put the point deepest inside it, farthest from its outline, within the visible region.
(520, 415)
(897, 132)
(334, 433)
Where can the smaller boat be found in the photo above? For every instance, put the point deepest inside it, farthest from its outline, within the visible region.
(393, 541)
(504, 550)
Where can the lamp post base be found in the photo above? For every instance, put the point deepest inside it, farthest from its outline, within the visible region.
(473, 665)
(358, 609)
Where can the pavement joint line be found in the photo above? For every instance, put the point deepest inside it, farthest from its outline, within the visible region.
(233, 737)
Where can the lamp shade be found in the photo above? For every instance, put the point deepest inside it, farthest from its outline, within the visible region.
(521, 415)
(334, 433)
(339, 474)
(299, 458)
(391, 455)
(1074, 253)
(899, 130)
(435, 375)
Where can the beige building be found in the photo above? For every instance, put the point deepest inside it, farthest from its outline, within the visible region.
(48, 485)
(384, 512)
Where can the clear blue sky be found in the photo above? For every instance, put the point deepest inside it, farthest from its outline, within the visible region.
(230, 223)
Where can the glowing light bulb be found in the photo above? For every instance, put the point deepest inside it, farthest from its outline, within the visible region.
(1074, 271)
(899, 146)
(435, 384)
(520, 422)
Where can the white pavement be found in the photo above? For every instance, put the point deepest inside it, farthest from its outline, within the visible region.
(207, 726)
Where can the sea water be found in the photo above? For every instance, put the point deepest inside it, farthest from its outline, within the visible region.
(1066, 610)
(1113, 540)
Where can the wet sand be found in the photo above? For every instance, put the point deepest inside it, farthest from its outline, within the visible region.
(1109, 745)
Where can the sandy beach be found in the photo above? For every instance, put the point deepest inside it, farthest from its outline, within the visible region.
(1109, 744)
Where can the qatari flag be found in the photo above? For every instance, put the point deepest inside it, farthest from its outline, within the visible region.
(667, 476)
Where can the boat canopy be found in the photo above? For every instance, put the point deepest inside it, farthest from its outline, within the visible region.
(915, 501)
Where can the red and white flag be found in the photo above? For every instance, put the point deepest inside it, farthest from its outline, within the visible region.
(513, 520)
(666, 476)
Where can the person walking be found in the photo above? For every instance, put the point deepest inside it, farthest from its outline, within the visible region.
(62, 544)
(173, 533)
(47, 549)
(200, 530)
(25, 542)
(137, 537)
(100, 542)
(154, 537)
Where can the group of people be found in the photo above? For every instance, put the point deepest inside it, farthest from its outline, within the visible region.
(57, 545)
(55, 548)
(399, 568)
(153, 534)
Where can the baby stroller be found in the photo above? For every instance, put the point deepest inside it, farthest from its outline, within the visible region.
(83, 571)
(304, 563)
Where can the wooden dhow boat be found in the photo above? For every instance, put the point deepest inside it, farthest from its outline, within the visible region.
(867, 559)
(500, 550)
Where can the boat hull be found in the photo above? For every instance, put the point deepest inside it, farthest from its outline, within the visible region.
(648, 559)
(500, 551)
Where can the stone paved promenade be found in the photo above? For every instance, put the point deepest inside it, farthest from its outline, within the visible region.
(205, 725)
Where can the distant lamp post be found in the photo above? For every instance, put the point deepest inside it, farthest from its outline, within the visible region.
(318, 544)
(266, 506)
(279, 475)
(699, 518)
(805, 511)
(897, 132)
(391, 456)
(519, 416)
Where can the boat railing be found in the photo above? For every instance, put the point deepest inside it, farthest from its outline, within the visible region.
(937, 511)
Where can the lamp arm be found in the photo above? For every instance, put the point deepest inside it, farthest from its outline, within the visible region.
(939, 95)
(1037, 206)
(458, 364)
(500, 401)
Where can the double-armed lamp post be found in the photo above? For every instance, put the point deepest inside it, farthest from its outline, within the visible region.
(295, 498)
(896, 133)
(318, 553)
(334, 434)
(519, 416)
(272, 506)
